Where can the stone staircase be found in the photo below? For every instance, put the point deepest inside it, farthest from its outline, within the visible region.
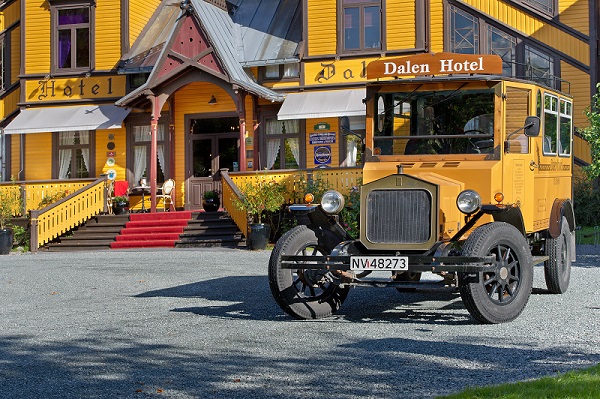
(171, 229)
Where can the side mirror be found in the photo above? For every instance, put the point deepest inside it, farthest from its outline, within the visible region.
(345, 123)
(532, 126)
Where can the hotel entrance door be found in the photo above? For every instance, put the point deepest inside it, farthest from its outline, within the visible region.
(214, 145)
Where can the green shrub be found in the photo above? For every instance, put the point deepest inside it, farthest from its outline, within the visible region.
(586, 205)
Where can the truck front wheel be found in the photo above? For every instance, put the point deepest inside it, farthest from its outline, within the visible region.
(302, 293)
(500, 295)
(557, 269)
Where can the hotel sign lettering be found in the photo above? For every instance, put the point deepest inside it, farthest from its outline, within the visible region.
(75, 89)
(435, 64)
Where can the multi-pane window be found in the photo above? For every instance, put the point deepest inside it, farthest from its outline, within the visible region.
(472, 35)
(283, 144)
(361, 24)
(550, 124)
(464, 34)
(546, 6)
(72, 39)
(540, 66)
(505, 46)
(74, 154)
(140, 163)
(566, 127)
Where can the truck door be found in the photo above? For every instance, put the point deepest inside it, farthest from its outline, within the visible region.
(518, 173)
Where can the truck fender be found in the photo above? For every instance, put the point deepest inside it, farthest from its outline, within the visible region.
(313, 217)
(511, 215)
(560, 208)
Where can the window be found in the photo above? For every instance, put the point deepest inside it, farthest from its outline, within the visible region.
(546, 6)
(471, 35)
(75, 158)
(279, 72)
(550, 124)
(540, 66)
(505, 46)
(566, 127)
(464, 32)
(361, 24)
(139, 163)
(351, 145)
(72, 37)
(283, 144)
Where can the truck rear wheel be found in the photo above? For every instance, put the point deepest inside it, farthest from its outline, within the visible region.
(501, 295)
(557, 269)
(305, 294)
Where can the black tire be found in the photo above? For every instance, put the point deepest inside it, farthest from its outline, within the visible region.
(499, 296)
(557, 269)
(309, 294)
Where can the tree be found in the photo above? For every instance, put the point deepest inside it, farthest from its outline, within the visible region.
(592, 135)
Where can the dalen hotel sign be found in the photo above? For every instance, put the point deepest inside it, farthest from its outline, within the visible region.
(435, 64)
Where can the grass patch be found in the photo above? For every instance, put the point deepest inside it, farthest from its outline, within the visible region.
(580, 384)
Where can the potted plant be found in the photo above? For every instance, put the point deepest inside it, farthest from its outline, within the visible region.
(211, 201)
(258, 197)
(10, 204)
(120, 204)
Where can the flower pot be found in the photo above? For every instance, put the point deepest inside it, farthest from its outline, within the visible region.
(6, 241)
(211, 204)
(120, 209)
(258, 238)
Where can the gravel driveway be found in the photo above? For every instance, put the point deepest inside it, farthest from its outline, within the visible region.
(202, 323)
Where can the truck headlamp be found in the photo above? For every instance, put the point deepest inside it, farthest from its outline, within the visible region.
(468, 202)
(332, 202)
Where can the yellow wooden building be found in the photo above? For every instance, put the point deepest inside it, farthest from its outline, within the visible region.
(181, 89)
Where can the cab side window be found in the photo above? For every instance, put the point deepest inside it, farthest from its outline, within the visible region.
(566, 127)
(550, 124)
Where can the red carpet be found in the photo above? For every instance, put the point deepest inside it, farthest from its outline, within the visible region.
(145, 230)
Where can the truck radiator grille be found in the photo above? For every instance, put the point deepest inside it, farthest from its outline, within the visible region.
(398, 216)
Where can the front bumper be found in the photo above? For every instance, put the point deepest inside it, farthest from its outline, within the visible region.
(416, 263)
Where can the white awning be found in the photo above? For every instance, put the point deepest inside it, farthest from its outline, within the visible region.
(323, 104)
(62, 119)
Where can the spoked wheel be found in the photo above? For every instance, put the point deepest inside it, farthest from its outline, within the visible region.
(305, 294)
(500, 295)
(557, 269)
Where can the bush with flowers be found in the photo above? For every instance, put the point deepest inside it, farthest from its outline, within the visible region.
(261, 195)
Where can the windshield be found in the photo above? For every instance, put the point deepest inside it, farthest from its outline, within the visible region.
(435, 122)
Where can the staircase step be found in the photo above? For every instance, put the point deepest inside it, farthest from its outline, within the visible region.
(142, 244)
(152, 230)
(148, 237)
(89, 237)
(152, 224)
(210, 243)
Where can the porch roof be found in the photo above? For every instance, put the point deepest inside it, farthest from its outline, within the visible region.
(323, 104)
(62, 119)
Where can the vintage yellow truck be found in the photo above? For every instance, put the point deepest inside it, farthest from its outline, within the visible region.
(466, 175)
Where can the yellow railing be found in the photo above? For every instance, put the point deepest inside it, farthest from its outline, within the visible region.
(12, 191)
(340, 179)
(71, 211)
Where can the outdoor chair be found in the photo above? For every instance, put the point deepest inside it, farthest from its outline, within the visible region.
(165, 192)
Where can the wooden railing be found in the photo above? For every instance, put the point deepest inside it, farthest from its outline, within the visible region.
(340, 179)
(67, 213)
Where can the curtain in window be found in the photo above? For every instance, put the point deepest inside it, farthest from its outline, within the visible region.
(294, 144)
(140, 134)
(273, 126)
(84, 138)
(161, 148)
(64, 156)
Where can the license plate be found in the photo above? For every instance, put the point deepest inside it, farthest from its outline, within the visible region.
(378, 263)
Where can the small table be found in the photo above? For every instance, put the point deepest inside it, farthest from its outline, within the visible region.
(143, 189)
